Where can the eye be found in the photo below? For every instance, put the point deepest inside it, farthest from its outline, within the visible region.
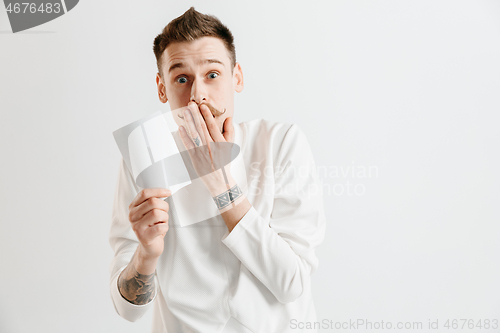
(182, 79)
(213, 75)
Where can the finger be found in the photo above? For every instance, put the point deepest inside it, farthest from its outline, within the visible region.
(211, 125)
(153, 217)
(136, 213)
(159, 229)
(147, 193)
(186, 138)
(191, 127)
(203, 113)
(198, 121)
(228, 129)
(191, 114)
(189, 122)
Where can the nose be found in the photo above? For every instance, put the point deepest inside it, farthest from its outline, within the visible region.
(198, 92)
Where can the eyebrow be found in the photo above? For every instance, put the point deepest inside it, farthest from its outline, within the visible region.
(182, 65)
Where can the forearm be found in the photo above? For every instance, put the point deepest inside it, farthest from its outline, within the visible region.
(269, 257)
(136, 282)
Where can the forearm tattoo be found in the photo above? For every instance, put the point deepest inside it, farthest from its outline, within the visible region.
(225, 199)
(139, 289)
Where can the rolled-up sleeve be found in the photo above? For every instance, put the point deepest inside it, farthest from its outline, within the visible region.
(280, 250)
(124, 244)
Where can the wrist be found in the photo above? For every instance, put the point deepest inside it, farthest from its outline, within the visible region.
(144, 263)
(229, 198)
(220, 184)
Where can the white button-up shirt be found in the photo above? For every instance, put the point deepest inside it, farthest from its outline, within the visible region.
(255, 278)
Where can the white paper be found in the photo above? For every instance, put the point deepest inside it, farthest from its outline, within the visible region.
(151, 153)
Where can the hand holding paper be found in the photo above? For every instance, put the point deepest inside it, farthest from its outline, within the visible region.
(148, 216)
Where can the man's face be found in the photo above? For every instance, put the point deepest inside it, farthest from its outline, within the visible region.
(199, 71)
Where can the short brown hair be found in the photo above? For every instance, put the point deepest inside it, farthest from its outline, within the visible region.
(190, 26)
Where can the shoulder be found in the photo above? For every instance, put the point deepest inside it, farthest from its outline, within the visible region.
(268, 130)
(281, 138)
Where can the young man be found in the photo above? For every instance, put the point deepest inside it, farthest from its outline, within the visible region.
(246, 269)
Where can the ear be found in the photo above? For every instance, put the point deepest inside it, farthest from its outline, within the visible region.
(162, 93)
(237, 77)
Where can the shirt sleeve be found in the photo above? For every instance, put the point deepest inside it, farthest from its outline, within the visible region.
(124, 242)
(280, 252)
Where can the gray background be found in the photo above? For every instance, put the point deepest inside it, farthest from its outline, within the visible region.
(409, 88)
